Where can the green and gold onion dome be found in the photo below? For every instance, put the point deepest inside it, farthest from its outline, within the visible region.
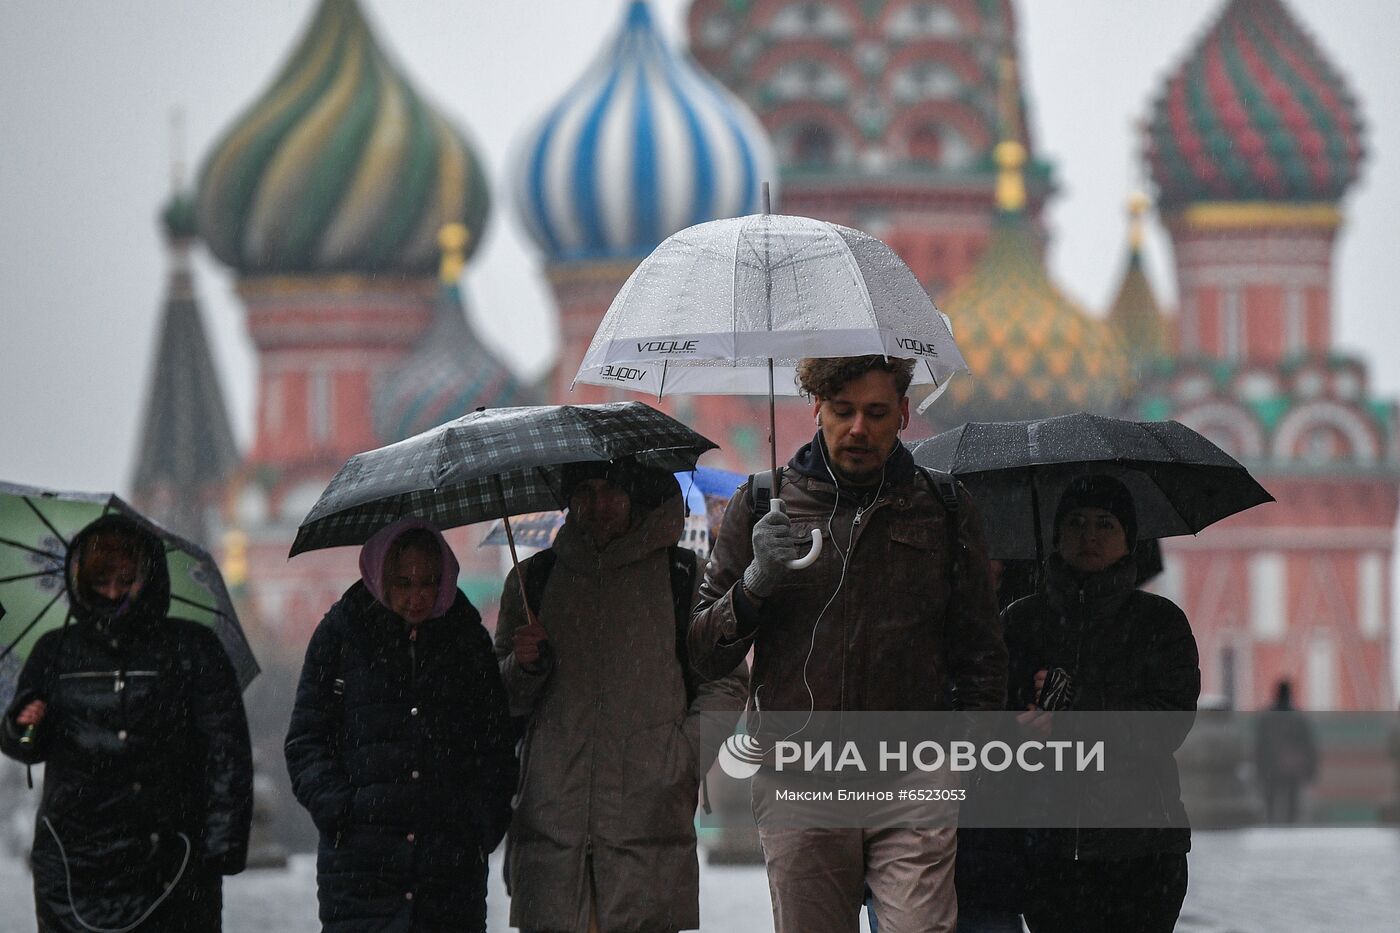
(1255, 112)
(339, 167)
(1031, 352)
(450, 372)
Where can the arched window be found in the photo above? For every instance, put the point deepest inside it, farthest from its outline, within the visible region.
(1324, 444)
(938, 145)
(322, 406)
(926, 145)
(811, 19)
(806, 78)
(926, 80)
(1229, 426)
(1326, 432)
(1232, 332)
(813, 145)
(717, 30)
(923, 20)
(1295, 321)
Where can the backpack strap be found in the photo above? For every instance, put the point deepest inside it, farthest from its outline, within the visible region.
(945, 486)
(683, 572)
(537, 570)
(761, 492)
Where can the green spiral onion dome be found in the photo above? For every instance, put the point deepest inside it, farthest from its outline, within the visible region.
(340, 166)
(1254, 113)
(449, 374)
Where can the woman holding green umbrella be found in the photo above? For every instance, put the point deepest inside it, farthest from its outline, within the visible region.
(148, 789)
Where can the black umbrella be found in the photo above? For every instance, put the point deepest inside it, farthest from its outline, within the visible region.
(490, 464)
(1017, 470)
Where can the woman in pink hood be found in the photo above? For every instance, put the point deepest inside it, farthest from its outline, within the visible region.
(400, 744)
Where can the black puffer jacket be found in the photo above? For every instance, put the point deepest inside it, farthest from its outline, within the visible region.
(1126, 650)
(400, 746)
(145, 739)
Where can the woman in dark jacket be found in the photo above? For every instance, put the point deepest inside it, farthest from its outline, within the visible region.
(400, 744)
(148, 787)
(1091, 641)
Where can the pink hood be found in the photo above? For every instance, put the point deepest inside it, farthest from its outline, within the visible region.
(376, 549)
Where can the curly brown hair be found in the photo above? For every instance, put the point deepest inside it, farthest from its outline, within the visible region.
(825, 377)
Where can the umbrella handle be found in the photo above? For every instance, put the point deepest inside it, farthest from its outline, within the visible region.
(802, 563)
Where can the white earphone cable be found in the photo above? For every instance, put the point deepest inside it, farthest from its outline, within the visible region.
(841, 581)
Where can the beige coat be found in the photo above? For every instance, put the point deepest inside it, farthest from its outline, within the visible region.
(612, 758)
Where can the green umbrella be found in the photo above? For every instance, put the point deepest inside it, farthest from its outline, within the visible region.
(36, 526)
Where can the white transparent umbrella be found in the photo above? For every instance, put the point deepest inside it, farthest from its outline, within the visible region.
(729, 307)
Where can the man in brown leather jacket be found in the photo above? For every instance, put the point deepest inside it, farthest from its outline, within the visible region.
(886, 619)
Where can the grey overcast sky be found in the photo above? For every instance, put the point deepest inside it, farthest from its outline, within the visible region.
(88, 86)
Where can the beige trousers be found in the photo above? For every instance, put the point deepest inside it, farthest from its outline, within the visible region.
(817, 877)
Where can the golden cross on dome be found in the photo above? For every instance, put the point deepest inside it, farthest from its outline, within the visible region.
(1010, 153)
(452, 240)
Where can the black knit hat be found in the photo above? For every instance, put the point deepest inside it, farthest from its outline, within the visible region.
(646, 486)
(1099, 491)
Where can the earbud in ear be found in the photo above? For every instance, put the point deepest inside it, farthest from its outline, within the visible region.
(819, 420)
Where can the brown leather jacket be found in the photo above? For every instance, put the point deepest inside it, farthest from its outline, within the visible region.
(897, 633)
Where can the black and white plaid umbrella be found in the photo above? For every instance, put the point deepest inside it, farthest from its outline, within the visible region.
(490, 464)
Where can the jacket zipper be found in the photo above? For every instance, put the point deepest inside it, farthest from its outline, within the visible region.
(592, 768)
(413, 694)
(1078, 651)
(591, 890)
(861, 512)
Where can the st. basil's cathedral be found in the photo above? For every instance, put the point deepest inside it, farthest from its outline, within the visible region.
(348, 207)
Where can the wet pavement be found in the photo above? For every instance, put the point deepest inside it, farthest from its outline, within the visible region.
(1251, 881)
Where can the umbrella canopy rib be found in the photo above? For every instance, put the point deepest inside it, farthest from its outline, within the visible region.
(30, 576)
(44, 518)
(30, 627)
(33, 550)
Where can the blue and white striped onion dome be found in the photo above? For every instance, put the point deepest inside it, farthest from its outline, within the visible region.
(643, 145)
